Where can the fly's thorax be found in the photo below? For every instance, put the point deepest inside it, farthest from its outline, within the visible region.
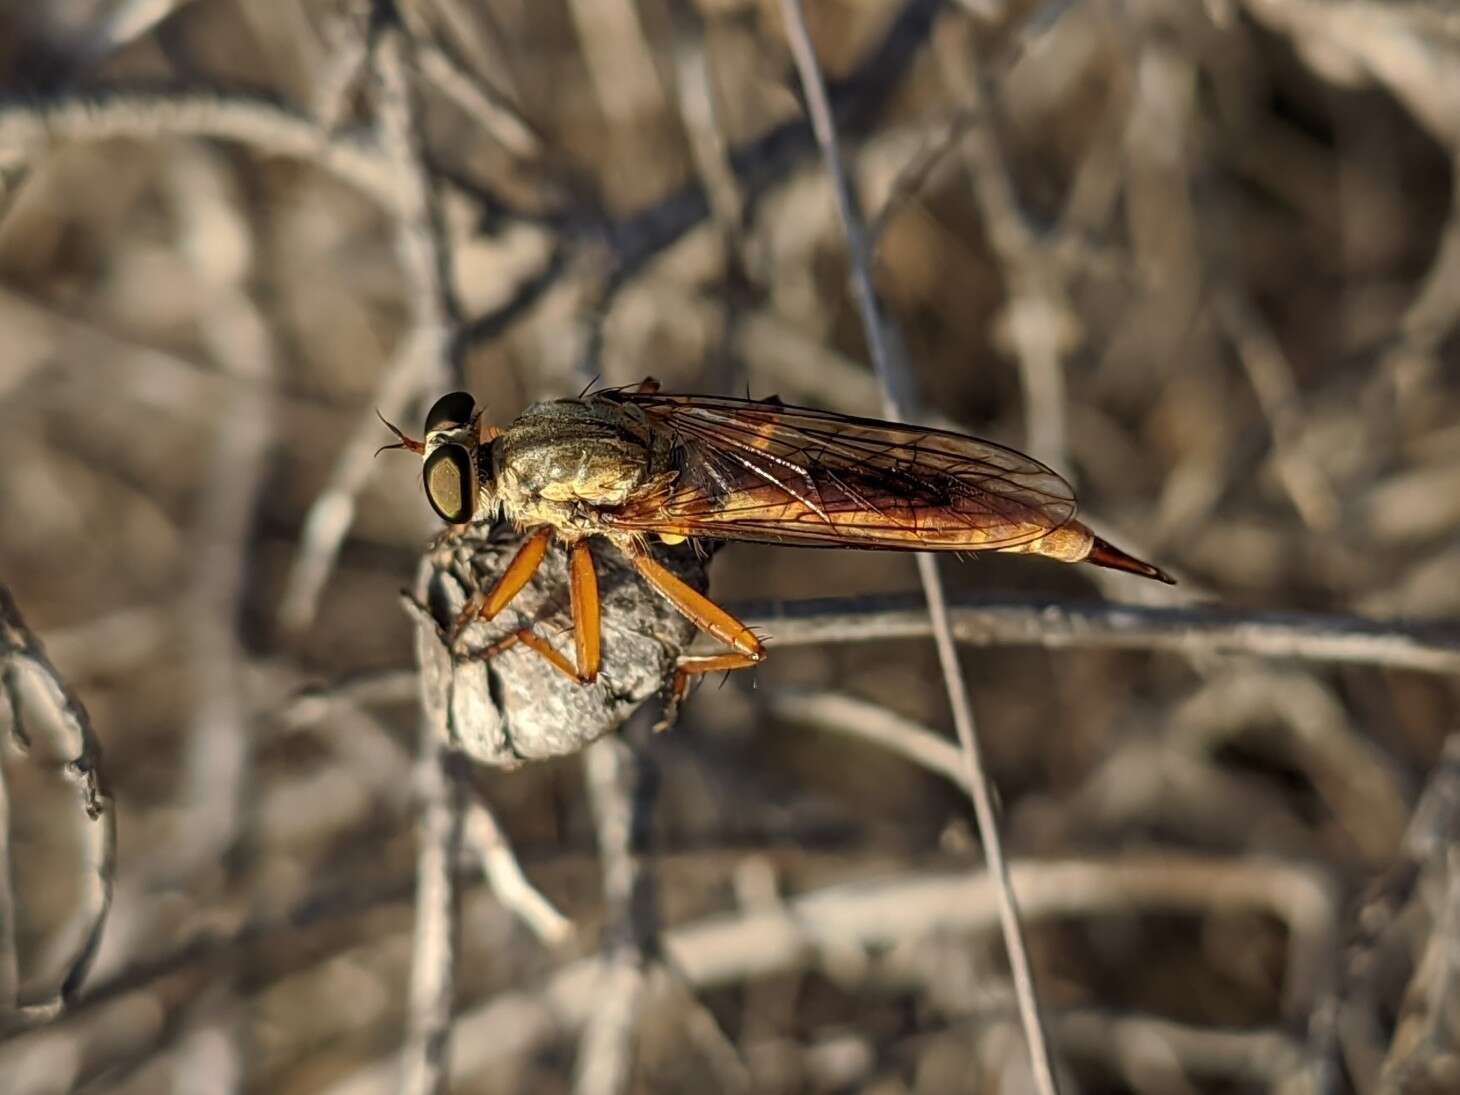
(570, 452)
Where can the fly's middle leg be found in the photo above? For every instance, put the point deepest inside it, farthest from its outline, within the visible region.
(583, 588)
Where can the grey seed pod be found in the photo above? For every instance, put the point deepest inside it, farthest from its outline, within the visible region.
(513, 706)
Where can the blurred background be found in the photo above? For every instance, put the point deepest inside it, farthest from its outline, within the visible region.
(1202, 258)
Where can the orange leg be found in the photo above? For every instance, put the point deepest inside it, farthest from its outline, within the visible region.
(587, 632)
(700, 610)
(528, 638)
(518, 573)
(693, 665)
(745, 649)
(584, 590)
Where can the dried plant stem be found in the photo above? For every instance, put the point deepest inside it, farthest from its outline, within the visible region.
(493, 111)
(125, 23)
(218, 761)
(999, 621)
(263, 126)
(1037, 326)
(26, 671)
(216, 814)
(9, 954)
(1414, 907)
(485, 839)
(894, 378)
(425, 1056)
(811, 928)
(619, 794)
(841, 713)
(420, 363)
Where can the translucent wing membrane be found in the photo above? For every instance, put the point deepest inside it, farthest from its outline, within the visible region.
(770, 472)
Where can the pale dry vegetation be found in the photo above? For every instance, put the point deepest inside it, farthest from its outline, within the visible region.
(1203, 258)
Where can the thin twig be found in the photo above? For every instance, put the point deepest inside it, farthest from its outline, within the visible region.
(420, 362)
(620, 64)
(1147, 1048)
(27, 677)
(346, 47)
(425, 1056)
(9, 908)
(1386, 919)
(620, 793)
(1037, 326)
(894, 378)
(1057, 625)
(813, 928)
(841, 713)
(125, 23)
(486, 840)
(489, 108)
(1360, 782)
(700, 114)
(217, 808)
(1271, 375)
(264, 126)
(218, 759)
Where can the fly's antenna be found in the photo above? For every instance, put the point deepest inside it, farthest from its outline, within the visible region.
(410, 444)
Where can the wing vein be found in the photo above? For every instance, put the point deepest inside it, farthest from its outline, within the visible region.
(767, 471)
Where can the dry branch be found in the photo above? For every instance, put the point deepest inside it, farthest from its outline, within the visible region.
(48, 724)
(1249, 205)
(439, 792)
(1407, 932)
(421, 363)
(885, 345)
(814, 929)
(1059, 625)
(621, 795)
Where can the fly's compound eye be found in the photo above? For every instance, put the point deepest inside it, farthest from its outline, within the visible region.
(451, 483)
(452, 409)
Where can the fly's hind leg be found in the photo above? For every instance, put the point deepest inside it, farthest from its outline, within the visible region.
(746, 649)
(694, 665)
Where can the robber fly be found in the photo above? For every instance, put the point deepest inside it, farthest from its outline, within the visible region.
(627, 464)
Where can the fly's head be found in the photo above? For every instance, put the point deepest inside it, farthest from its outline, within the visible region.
(457, 471)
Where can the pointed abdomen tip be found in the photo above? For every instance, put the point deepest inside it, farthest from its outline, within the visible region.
(1104, 554)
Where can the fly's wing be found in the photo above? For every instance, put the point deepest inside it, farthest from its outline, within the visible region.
(770, 472)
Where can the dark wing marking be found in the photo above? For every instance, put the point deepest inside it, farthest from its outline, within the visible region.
(776, 473)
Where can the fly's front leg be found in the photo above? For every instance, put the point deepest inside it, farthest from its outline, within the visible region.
(583, 588)
(518, 573)
(533, 641)
(746, 649)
